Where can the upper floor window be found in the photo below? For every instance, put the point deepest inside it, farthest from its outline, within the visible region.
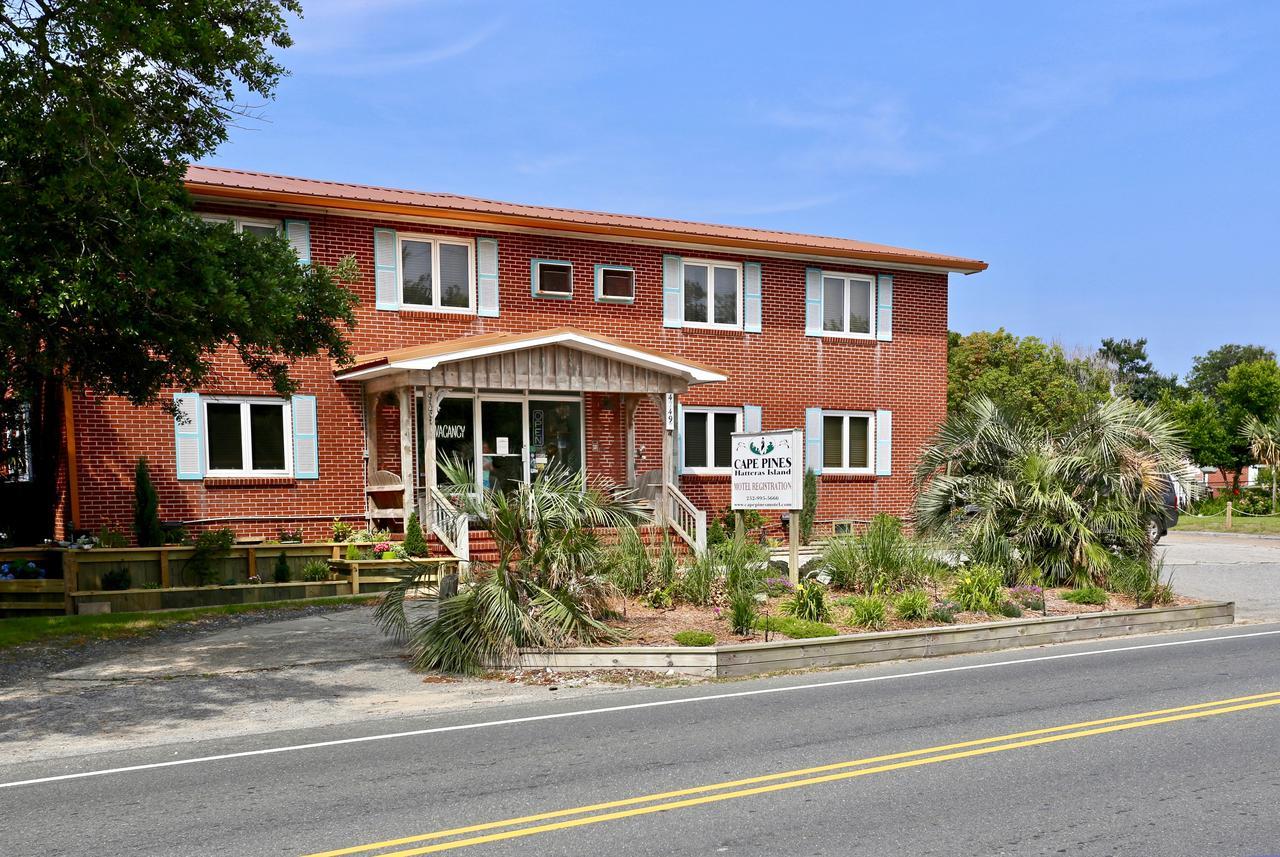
(247, 225)
(712, 294)
(551, 279)
(708, 438)
(848, 304)
(847, 441)
(247, 436)
(436, 273)
(615, 284)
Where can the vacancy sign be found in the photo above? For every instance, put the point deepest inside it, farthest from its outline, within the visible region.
(768, 469)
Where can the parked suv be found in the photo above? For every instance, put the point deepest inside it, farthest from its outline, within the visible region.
(1173, 499)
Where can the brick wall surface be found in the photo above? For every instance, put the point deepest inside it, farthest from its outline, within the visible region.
(780, 369)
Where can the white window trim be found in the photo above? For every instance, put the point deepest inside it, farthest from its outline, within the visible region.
(711, 265)
(536, 279)
(435, 241)
(238, 223)
(711, 436)
(870, 280)
(844, 442)
(601, 297)
(246, 440)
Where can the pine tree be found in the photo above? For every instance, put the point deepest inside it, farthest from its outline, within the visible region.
(414, 542)
(281, 573)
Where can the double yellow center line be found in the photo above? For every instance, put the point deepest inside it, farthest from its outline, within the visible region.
(562, 819)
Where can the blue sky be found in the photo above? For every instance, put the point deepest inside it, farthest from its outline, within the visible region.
(1116, 163)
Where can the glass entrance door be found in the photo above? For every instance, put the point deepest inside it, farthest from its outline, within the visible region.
(502, 439)
(555, 434)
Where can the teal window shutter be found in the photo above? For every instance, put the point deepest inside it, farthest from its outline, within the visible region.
(298, 234)
(188, 435)
(679, 438)
(752, 418)
(884, 443)
(813, 439)
(672, 300)
(386, 269)
(306, 441)
(752, 304)
(487, 279)
(884, 307)
(812, 301)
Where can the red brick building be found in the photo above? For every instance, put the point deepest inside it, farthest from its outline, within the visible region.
(515, 336)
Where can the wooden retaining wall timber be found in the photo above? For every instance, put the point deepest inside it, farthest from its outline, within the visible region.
(757, 658)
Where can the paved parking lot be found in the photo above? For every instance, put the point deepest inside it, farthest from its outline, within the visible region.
(1243, 569)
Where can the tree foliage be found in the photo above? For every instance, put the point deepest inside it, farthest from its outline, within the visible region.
(108, 280)
(1030, 380)
(146, 508)
(1134, 375)
(1210, 369)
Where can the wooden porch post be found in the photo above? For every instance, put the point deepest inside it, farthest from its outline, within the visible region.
(406, 398)
(629, 405)
(429, 414)
(370, 450)
(668, 454)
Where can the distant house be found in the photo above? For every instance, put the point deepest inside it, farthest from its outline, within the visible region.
(513, 337)
(1216, 480)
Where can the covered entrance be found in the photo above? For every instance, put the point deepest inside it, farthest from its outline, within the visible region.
(508, 406)
(520, 436)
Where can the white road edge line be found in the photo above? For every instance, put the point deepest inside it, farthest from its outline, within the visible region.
(461, 727)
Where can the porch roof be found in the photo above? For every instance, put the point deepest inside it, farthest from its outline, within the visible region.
(424, 358)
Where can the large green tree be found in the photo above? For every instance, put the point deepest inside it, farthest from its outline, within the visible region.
(1134, 375)
(108, 280)
(1210, 369)
(1027, 378)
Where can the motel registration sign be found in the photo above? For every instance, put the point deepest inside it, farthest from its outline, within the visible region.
(768, 469)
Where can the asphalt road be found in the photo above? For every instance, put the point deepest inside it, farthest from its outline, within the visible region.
(1200, 779)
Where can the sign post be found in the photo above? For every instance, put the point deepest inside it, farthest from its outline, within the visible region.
(768, 473)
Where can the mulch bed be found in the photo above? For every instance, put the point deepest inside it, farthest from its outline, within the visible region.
(642, 625)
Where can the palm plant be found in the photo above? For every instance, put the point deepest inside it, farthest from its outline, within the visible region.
(1264, 442)
(1029, 501)
(546, 588)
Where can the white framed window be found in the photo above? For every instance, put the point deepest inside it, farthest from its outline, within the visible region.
(711, 293)
(247, 436)
(708, 439)
(551, 278)
(437, 274)
(246, 225)
(848, 305)
(848, 441)
(615, 284)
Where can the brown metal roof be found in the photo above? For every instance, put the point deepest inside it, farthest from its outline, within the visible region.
(466, 345)
(242, 184)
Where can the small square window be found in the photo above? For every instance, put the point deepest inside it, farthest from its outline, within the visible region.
(552, 279)
(708, 438)
(712, 293)
(615, 284)
(847, 438)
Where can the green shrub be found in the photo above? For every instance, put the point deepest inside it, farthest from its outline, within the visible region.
(1010, 609)
(745, 565)
(116, 578)
(290, 537)
(881, 560)
(1094, 595)
(664, 570)
(695, 638)
(695, 583)
(628, 562)
(280, 572)
(109, 538)
(209, 545)
(146, 509)
(943, 613)
(977, 589)
(742, 611)
(415, 544)
(911, 605)
(662, 598)
(1140, 580)
(808, 602)
(809, 509)
(795, 628)
(868, 612)
(315, 570)
(353, 552)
